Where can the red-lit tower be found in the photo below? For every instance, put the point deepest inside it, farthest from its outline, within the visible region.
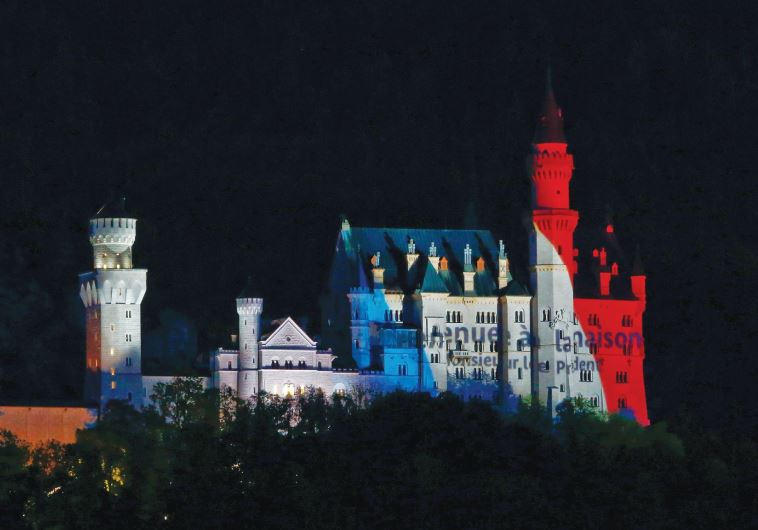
(555, 325)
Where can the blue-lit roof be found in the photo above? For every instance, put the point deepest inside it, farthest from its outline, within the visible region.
(356, 246)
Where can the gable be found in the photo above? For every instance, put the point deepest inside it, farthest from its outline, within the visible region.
(288, 335)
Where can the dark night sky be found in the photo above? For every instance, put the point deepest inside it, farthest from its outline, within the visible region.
(240, 135)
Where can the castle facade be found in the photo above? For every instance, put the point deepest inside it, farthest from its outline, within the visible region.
(417, 309)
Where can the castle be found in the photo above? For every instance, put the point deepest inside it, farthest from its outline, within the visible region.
(416, 309)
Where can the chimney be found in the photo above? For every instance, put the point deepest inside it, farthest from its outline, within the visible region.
(377, 271)
(605, 283)
(468, 271)
(412, 256)
(433, 258)
(502, 267)
(638, 277)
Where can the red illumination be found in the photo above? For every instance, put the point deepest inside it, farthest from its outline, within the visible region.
(620, 365)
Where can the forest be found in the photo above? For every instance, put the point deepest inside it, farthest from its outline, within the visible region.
(200, 459)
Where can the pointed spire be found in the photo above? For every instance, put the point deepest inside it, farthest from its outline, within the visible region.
(637, 269)
(345, 224)
(501, 248)
(550, 121)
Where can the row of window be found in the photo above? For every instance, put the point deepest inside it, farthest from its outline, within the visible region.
(585, 375)
(622, 377)
(483, 317)
(476, 373)
(479, 346)
(287, 364)
(626, 320)
(391, 316)
(402, 369)
(454, 316)
(518, 316)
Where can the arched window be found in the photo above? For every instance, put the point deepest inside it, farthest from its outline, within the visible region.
(477, 318)
(448, 317)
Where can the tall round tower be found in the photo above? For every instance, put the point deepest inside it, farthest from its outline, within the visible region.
(249, 309)
(112, 295)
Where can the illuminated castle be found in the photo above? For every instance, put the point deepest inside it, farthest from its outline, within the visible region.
(416, 309)
(439, 310)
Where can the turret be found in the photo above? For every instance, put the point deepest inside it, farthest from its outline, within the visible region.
(112, 233)
(249, 309)
(112, 295)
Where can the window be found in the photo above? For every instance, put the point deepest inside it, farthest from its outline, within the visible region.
(593, 348)
(585, 376)
(518, 316)
(627, 348)
(274, 363)
(113, 385)
(622, 402)
(128, 313)
(563, 389)
(357, 344)
(319, 365)
(545, 315)
(229, 365)
(288, 364)
(477, 318)
(519, 345)
(113, 327)
(547, 365)
(520, 373)
(460, 319)
(622, 377)
(402, 369)
(128, 337)
(560, 333)
(626, 321)
(493, 372)
(594, 401)
(128, 361)
(113, 372)
(447, 318)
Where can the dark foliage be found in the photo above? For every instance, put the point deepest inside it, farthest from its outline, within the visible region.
(401, 461)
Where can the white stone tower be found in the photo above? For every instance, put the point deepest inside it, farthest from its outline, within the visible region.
(112, 295)
(249, 309)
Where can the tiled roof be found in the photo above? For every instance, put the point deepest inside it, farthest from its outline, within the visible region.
(360, 243)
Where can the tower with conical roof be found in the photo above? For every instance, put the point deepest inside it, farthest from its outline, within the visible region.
(112, 295)
(552, 265)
